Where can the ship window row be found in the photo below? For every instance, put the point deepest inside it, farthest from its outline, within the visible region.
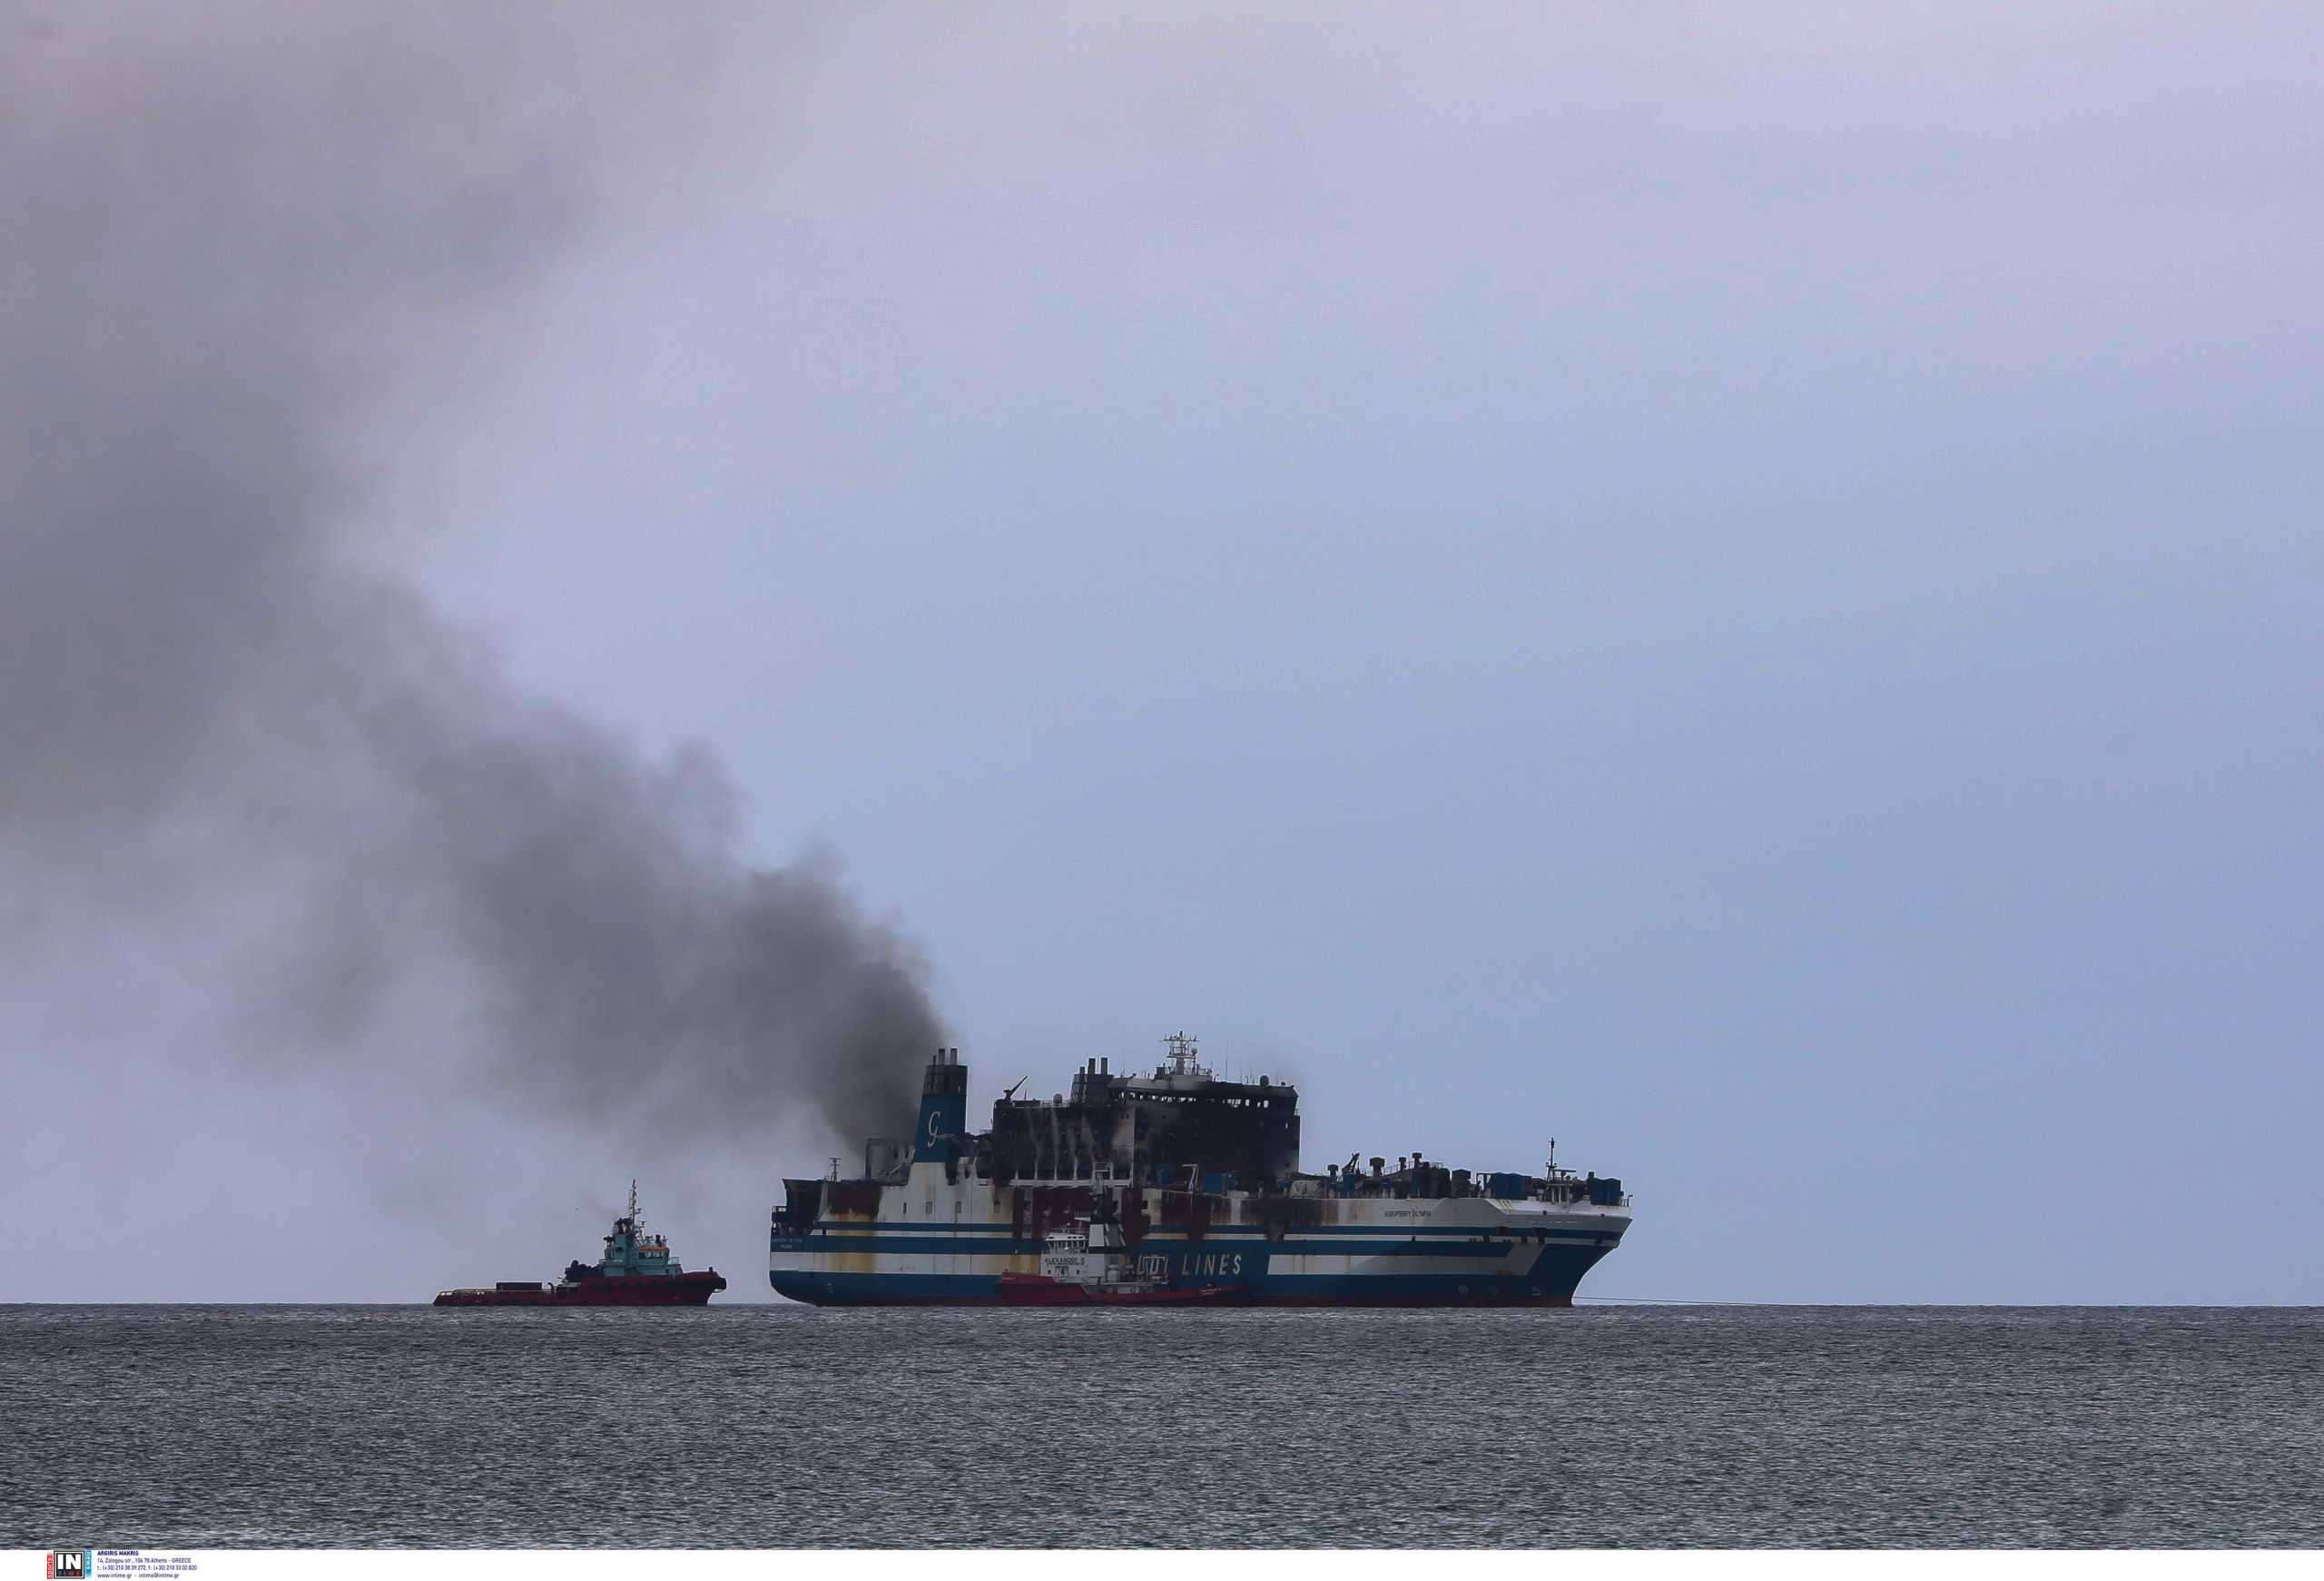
(1193, 1098)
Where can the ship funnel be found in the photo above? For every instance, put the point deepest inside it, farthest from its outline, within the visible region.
(944, 1109)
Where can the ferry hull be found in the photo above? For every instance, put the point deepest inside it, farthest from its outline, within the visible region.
(1463, 1252)
(906, 1289)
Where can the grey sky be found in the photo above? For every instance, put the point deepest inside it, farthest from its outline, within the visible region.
(1741, 593)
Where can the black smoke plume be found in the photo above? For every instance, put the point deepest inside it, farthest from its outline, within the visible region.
(235, 238)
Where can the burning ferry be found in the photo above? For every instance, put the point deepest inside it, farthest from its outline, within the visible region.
(1200, 1179)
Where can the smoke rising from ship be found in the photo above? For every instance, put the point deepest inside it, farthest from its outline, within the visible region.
(239, 242)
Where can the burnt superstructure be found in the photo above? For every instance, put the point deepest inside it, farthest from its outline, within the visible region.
(1177, 1127)
(1204, 1178)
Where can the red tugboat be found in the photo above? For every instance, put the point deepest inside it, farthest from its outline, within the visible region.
(637, 1270)
(1090, 1265)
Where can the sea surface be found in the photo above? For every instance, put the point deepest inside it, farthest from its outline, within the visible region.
(773, 1426)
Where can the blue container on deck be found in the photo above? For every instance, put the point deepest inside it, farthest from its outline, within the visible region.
(1605, 1193)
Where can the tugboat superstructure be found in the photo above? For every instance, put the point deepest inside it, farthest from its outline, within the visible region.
(1199, 1182)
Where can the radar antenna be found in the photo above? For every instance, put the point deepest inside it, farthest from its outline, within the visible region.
(1182, 1055)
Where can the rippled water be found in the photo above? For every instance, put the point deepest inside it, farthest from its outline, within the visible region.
(204, 1426)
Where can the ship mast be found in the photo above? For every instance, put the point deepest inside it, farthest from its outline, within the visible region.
(1182, 1055)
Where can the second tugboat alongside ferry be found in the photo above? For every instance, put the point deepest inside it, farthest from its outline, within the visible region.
(1173, 1189)
(1091, 1265)
(638, 1271)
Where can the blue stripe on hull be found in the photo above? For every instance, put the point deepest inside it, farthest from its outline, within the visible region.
(1549, 1283)
(1469, 1246)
